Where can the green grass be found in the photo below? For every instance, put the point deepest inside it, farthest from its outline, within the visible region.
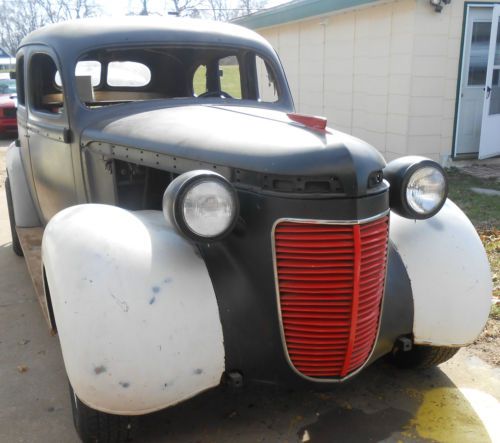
(495, 312)
(230, 80)
(484, 212)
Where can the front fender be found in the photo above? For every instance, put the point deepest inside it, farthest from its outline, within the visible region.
(135, 309)
(449, 273)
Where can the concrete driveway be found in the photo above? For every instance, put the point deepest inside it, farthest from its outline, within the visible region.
(457, 402)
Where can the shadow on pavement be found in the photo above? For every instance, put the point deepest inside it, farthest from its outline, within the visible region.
(381, 404)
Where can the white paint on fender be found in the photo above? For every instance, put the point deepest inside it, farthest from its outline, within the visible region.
(449, 274)
(135, 309)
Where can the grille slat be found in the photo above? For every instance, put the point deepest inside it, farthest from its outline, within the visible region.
(331, 280)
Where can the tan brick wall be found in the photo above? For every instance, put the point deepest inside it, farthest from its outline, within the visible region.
(385, 73)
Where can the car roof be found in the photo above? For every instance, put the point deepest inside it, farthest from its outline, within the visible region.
(76, 36)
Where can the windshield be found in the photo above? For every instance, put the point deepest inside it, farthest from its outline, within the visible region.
(107, 77)
(7, 86)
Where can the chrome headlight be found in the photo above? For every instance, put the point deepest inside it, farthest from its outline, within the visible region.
(202, 205)
(418, 187)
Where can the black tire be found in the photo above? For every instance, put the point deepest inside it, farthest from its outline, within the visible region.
(98, 427)
(16, 244)
(421, 357)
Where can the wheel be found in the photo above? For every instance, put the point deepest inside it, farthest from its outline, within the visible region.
(16, 244)
(95, 426)
(421, 357)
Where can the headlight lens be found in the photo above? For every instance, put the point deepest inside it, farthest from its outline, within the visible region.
(426, 190)
(208, 208)
(418, 187)
(202, 205)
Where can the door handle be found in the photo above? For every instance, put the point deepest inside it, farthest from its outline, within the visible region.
(488, 92)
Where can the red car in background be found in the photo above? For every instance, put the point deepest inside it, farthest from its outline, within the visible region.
(8, 106)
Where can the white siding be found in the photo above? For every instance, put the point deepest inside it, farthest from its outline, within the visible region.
(386, 73)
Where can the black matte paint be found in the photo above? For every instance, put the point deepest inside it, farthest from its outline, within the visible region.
(242, 271)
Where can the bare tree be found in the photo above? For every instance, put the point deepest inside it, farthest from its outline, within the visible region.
(249, 6)
(18, 19)
(226, 10)
(187, 7)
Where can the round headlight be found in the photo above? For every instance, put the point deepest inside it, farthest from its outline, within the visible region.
(202, 205)
(418, 187)
(208, 208)
(426, 190)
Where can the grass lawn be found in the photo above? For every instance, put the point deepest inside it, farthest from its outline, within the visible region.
(230, 80)
(484, 212)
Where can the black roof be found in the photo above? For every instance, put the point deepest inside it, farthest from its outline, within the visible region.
(76, 36)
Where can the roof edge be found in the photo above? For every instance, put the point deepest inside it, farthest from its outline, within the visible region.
(296, 10)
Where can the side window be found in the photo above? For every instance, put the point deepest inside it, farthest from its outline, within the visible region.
(45, 96)
(224, 75)
(267, 84)
(90, 68)
(230, 78)
(20, 80)
(200, 80)
(128, 74)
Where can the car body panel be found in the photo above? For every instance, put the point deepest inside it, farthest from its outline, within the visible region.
(449, 273)
(138, 320)
(25, 212)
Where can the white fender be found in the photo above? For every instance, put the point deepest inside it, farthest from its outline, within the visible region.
(25, 213)
(135, 309)
(449, 273)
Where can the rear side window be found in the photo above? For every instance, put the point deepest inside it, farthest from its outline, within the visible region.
(85, 68)
(128, 74)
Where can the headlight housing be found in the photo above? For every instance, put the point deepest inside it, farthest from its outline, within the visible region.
(201, 205)
(418, 187)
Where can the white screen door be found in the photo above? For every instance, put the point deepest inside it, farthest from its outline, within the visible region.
(489, 144)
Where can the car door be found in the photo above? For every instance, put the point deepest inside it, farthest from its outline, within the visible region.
(49, 135)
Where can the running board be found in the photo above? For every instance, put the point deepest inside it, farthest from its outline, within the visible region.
(31, 243)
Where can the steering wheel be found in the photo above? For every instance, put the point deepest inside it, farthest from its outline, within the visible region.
(220, 94)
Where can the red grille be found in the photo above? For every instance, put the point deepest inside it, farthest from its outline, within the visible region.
(331, 281)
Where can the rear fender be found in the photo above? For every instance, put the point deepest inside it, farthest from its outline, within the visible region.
(135, 309)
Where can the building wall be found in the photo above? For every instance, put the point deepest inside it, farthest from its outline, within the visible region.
(386, 73)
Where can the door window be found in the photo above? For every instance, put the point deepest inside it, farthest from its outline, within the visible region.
(268, 91)
(230, 78)
(20, 80)
(45, 95)
(224, 75)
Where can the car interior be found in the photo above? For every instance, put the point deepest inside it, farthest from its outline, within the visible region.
(107, 77)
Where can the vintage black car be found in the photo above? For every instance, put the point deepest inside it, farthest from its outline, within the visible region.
(196, 229)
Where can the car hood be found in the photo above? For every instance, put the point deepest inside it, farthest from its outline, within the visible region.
(254, 139)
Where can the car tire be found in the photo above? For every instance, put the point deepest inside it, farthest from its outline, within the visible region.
(421, 357)
(94, 426)
(16, 244)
